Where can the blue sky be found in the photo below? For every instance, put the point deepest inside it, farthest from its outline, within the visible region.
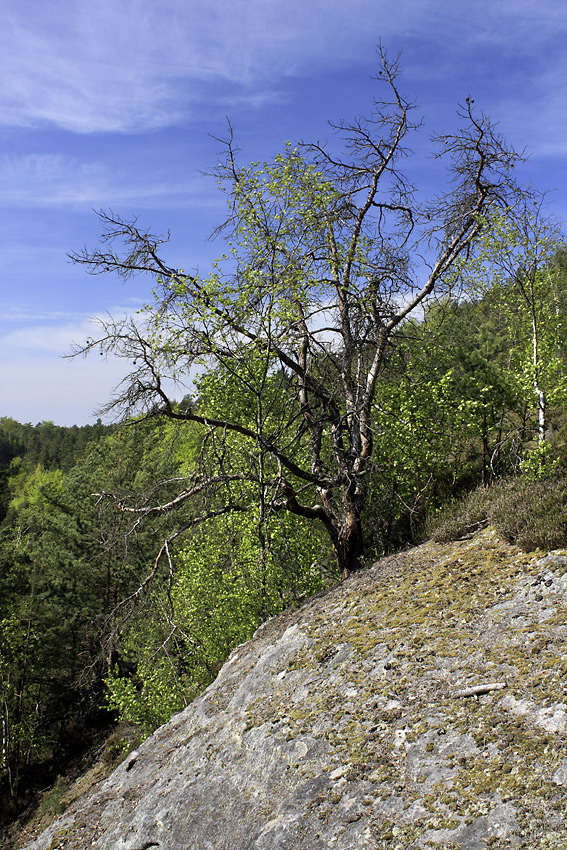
(112, 105)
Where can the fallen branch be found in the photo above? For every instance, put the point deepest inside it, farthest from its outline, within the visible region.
(476, 690)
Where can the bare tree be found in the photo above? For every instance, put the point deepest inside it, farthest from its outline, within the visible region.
(328, 253)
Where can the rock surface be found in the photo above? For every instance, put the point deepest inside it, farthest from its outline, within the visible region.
(341, 725)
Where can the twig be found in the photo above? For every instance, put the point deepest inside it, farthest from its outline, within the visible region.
(476, 690)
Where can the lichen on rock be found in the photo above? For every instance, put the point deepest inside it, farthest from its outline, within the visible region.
(340, 725)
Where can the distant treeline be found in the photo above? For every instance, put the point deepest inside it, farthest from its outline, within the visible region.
(54, 446)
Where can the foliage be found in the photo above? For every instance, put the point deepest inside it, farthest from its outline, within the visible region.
(448, 415)
(96, 613)
(63, 570)
(419, 420)
(530, 513)
(231, 575)
(541, 461)
(341, 397)
(149, 698)
(461, 517)
(518, 265)
(25, 448)
(324, 262)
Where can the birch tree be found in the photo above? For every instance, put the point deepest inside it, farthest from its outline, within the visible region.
(516, 265)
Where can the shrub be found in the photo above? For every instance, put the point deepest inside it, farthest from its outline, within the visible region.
(459, 518)
(528, 513)
(531, 514)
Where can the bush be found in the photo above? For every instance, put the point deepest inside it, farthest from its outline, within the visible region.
(459, 518)
(531, 514)
(528, 513)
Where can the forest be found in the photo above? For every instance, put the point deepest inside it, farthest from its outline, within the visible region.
(96, 627)
(366, 372)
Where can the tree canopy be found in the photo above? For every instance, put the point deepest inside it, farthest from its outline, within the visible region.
(328, 252)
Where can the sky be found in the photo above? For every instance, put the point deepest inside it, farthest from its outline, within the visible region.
(119, 105)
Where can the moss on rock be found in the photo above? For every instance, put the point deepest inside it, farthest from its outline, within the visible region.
(340, 725)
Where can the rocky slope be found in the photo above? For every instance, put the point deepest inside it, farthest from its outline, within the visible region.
(370, 718)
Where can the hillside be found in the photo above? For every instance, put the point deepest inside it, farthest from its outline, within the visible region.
(353, 723)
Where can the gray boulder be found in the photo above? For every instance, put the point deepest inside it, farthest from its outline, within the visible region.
(422, 704)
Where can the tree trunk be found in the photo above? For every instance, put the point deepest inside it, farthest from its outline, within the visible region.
(345, 529)
(542, 425)
(349, 544)
(541, 428)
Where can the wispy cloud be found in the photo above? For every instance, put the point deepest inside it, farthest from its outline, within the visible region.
(26, 331)
(130, 65)
(540, 113)
(72, 70)
(65, 391)
(83, 66)
(48, 337)
(56, 180)
(35, 376)
(126, 65)
(13, 315)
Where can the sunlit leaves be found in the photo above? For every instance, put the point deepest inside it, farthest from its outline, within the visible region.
(516, 267)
